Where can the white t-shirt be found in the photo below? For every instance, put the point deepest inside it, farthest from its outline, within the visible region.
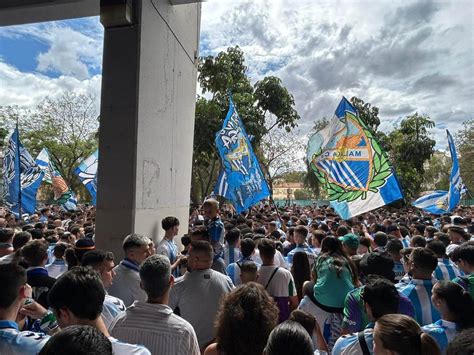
(282, 283)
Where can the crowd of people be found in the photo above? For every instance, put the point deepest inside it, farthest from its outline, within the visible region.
(292, 280)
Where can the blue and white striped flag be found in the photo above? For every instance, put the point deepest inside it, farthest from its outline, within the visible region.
(439, 202)
(20, 169)
(351, 165)
(87, 173)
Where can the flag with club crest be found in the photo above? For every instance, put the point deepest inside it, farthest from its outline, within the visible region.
(87, 173)
(21, 177)
(351, 165)
(63, 195)
(241, 180)
(439, 202)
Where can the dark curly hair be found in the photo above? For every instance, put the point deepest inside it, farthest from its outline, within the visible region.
(245, 319)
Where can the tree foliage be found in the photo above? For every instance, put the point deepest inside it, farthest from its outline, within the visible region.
(411, 148)
(66, 126)
(262, 107)
(437, 171)
(280, 151)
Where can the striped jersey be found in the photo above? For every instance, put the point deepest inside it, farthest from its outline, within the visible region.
(169, 249)
(304, 248)
(349, 344)
(419, 292)
(446, 270)
(231, 255)
(443, 332)
(233, 270)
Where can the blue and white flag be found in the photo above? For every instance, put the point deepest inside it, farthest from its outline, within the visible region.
(439, 202)
(351, 165)
(20, 169)
(241, 180)
(63, 195)
(87, 173)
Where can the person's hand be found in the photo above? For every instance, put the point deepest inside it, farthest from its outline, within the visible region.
(33, 310)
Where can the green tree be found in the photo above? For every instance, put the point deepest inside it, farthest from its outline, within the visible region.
(465, 146)
(370, 116)
(437, 171)
(262, 107)
(411, 148)
(66, 126)
(304, 194)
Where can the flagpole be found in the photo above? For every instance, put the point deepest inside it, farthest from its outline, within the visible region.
(19, 169)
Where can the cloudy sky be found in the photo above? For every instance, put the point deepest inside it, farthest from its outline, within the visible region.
(402, 56)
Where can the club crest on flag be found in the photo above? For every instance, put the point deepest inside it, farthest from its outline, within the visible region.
(241, 181)
(346, 158)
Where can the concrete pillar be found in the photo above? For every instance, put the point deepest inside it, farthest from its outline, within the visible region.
(147, 121)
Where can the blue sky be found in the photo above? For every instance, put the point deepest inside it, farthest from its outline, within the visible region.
(402, 56)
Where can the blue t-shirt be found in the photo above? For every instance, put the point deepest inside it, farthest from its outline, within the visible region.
(349, 344)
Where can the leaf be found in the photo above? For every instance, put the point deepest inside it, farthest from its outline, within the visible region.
(334, 196)
(373, 189)
(376, 147)
(377, 163)
(355, 196)
(377, 183)
(336, 188)
(383, 175)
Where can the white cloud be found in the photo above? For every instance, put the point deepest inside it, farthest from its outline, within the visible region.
(401, 56)
(72, 51)
(28, 89)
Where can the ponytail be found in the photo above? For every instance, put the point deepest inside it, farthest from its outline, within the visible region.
(428, 345)
(459, 302)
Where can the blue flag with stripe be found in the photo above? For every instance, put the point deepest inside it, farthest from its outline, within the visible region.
(87, 173)
(241, 180)
(20, 169)
(439, 202)
(351, 165)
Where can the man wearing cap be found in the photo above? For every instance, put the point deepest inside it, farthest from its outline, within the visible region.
(355, 315)
(457, 235)
(350, 244)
